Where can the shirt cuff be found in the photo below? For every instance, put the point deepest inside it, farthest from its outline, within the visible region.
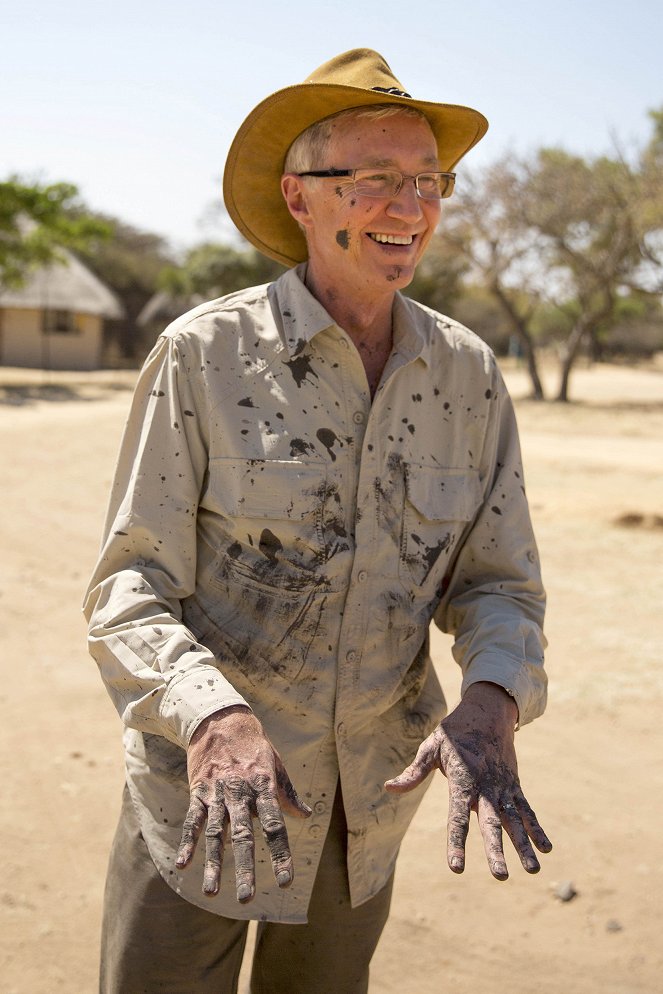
(192, 698)
(522, 680)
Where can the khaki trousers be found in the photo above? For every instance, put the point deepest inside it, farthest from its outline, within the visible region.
(154, 942)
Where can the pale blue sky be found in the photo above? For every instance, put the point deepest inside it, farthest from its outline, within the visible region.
(137, 102)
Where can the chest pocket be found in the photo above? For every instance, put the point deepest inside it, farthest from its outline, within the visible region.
(274, 518)
(439, 505)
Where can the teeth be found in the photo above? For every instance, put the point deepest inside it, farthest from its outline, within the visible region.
(393, 239)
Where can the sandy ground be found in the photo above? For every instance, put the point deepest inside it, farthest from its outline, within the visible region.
(591, 766)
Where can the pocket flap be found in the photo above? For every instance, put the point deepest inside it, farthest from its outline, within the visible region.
(267, 488)
(441, 493)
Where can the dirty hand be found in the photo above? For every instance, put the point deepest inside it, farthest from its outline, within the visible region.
(474, 749)
(236, 775)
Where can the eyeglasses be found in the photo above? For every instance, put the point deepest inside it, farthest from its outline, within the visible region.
(388, 182)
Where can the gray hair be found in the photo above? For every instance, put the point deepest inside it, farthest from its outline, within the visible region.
(310, 147)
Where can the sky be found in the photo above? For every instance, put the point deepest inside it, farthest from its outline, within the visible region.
(136, 102)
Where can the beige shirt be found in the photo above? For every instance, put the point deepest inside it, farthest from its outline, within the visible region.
(275, 538)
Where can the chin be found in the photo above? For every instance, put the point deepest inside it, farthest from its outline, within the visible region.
(400, 276)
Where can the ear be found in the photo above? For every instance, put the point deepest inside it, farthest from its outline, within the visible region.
(295, 196)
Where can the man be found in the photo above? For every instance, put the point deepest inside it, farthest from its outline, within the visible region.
(310, 473)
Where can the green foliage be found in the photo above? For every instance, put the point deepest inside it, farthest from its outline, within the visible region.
(636, 306)
(587, 214)
(656, 143)
(130, 263)
(564, 245)
(552, 323)
(211, 270)
(479, 311)
(35, 220)
(438, 281)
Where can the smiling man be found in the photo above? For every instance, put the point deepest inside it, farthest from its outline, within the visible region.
(311, 473)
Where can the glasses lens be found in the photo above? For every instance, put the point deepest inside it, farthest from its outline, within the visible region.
(376, 182)
(435, 186)
(387, 183)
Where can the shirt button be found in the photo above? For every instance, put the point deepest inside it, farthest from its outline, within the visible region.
(358, 417)
(340, 728)
(344, 343)
(351, 656)
(362, 576)
(315, 830)
(319, 807)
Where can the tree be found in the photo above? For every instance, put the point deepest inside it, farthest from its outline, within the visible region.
(483, 225)
(36, 220)
(438, 280)
(599, 223)
(212, 270)
(130, 263)
(556, 235)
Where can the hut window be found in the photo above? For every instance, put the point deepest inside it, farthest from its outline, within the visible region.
(59, 322)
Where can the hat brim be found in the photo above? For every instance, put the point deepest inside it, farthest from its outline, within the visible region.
(251, 181)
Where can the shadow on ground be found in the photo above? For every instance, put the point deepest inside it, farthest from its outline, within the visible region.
(24, 394)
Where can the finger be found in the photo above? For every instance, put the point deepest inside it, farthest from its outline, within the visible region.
(243, 843)
(289, 799)
(516, 831)
(276, 835)
(414, 774)
(216, 817)
(458, 825)
(191, 829)
(531, 823)
(490, 825)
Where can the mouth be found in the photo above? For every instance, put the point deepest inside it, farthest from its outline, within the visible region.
(391, 239)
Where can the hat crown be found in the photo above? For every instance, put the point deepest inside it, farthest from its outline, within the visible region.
(360, 67)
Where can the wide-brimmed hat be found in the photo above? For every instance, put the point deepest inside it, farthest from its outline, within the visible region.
(359, 78)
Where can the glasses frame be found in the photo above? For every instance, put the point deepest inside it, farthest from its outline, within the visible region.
(351, 173)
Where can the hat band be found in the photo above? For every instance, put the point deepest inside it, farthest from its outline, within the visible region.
(392, 90)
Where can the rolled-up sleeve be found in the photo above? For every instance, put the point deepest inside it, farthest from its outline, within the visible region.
(494, 603)
(159, 677)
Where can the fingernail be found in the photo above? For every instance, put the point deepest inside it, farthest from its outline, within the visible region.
(456, 864)
(532, 866)
(243, 892)
(283, 878)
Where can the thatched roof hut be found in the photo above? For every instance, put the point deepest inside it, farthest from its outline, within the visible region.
(164, 307)
(55, 320)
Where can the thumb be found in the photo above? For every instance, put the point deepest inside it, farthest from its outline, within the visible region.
(414, 774)
(411, 777)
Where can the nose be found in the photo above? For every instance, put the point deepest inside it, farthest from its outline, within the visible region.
(406, 204)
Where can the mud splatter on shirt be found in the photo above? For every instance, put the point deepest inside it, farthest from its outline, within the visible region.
(277, 538)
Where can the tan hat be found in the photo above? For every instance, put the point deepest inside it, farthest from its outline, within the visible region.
(251, 182)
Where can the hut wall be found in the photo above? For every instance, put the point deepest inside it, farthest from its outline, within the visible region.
(24, 343)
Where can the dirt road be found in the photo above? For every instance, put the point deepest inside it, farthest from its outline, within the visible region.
(591, 767)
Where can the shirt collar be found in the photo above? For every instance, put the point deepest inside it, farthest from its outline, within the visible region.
(302, 317)
(413, 330)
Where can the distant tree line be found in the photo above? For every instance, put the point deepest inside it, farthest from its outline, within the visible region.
(551, 252)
